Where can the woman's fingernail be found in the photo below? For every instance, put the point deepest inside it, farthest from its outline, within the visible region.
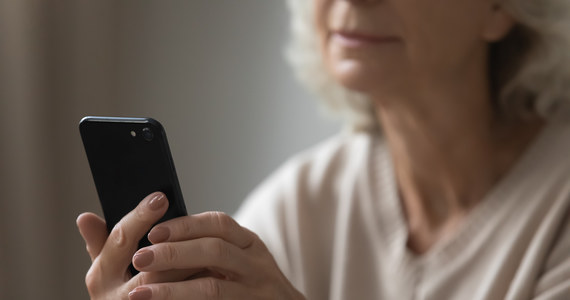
(158, 235)
(140, 293)
(157, 201)
(143, 258)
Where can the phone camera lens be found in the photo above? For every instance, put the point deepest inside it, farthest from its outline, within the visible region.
(147, 134)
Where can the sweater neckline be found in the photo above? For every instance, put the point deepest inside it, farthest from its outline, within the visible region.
(391, 211)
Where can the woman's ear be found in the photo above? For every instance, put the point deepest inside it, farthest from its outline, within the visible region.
(499, 22)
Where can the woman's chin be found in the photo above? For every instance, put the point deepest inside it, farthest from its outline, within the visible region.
(358, 78)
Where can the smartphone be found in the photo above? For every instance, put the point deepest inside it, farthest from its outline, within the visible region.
(129, 159)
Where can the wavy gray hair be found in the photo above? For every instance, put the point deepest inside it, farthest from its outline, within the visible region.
(529, 68)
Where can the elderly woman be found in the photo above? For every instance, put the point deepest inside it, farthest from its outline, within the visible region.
(452, 184)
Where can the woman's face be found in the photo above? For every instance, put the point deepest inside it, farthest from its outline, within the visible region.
(387, 47)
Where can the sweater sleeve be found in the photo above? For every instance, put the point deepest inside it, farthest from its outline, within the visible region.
(262, 212)
(294, 212)
(270, 213)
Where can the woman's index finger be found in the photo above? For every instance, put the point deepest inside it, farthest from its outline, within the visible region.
(208, 224)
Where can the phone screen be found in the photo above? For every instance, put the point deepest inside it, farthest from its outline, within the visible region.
(129, 159)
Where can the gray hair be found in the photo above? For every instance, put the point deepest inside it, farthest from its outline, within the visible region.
(529, 68)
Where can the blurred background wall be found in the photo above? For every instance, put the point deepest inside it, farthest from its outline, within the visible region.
(211, 71)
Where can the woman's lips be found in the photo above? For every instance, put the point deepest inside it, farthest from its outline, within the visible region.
(357, 40)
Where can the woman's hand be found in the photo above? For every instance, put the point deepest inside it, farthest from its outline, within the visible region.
(206, 256)
(222, 259)
(108, 277)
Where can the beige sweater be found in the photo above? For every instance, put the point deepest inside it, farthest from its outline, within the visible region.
(332, 219)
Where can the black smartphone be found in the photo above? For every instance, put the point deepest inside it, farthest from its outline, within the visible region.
(129, 159)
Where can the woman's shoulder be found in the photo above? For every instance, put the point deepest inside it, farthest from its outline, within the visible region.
(294, 209)
(339, 151)
(322, 166)
(313, 178)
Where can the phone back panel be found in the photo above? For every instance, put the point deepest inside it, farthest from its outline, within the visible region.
(129, 159)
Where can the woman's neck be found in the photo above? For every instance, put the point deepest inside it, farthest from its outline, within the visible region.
(448, 153)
